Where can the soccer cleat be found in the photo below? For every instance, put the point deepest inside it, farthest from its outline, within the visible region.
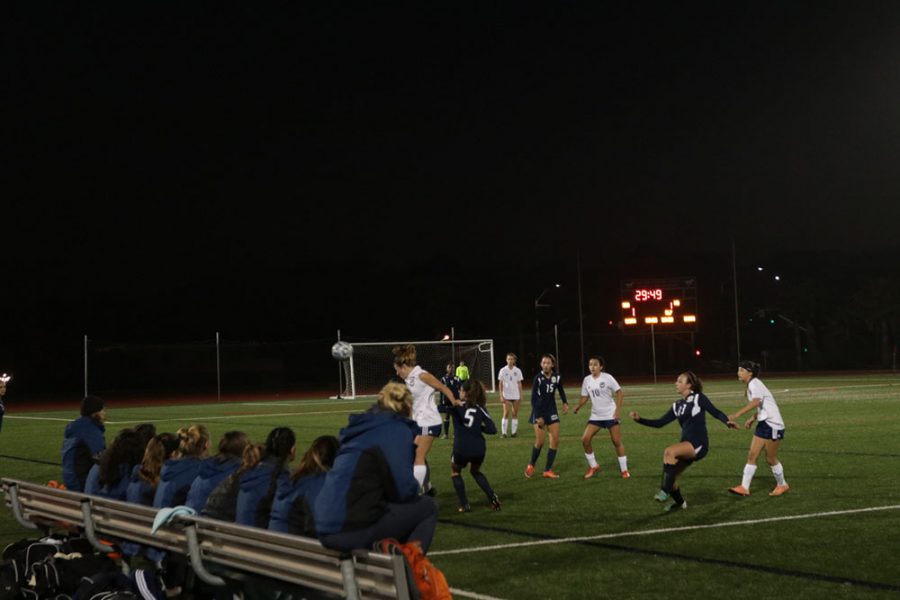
(591, 472)
(464, 508)
(495, 502)
(625, 474)
(548, 474)
(503, 435)
(529, 470)
(514, 435)
(739, 490)
(779, 490)
(661, 496)
(676, 506)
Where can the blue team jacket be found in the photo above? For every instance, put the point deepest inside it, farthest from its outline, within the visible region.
(374, 465)
(175, 479)
(83, 439)
(255, 486)
(292, 508)
(212, 471)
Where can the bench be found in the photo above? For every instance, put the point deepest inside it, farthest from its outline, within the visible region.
(234, 550)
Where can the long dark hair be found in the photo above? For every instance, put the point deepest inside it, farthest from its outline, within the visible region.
(694, 381)
(475, 395)
(319, 458)
(117, 461)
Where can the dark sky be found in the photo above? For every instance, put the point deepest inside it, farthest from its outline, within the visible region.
(282, 169)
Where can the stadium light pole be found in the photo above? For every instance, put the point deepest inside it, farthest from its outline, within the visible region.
(537, 320)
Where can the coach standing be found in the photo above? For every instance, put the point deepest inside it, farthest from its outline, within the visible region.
(83, 441)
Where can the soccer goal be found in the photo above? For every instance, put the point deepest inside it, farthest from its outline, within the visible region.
(372, 363)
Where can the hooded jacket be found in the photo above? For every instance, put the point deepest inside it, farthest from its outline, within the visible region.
(254, 501)
(175, 479)
(212, 471)
(83, 439)
(116, 491)
(374, 466)
(292, 509)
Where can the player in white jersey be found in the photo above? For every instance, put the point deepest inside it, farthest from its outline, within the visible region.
(510, 379)
(606, 401)
(422, 385)
(769, 430)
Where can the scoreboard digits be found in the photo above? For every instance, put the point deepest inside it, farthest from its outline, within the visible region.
(670, 304)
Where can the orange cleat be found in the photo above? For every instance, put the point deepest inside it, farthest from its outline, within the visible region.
(739, 490)
(625, 474)
(779, 490)
(591, 472)
(529, 470)
(548, 474)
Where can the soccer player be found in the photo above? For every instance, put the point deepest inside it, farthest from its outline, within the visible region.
(769, 430)
(422, 385)
(510, 379)
(452, 382)
(606, 401)
(690, 411)
(544, 414)
(470, 421)
(462, 371)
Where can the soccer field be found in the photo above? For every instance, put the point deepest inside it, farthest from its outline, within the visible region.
(835, 534)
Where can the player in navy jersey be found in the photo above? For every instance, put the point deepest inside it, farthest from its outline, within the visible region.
(544, 415)
(470, 422)
(452, 382)
(690, 411)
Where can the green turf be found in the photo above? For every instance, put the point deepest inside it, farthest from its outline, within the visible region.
(841, 452)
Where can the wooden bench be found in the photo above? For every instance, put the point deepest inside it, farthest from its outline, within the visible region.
(234, 550)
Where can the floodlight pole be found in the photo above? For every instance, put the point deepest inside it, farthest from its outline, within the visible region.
(653, 348)
(85, 364)
(580, 311)
(737, 319)
(218, 368)
(556, 339)
(340, 370)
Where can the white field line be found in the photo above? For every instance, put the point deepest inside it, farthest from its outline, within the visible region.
(608, 536)
(199, 419)
(476, 596)
(742, 392)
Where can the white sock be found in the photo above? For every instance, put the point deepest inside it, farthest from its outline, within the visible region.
(503, 424)
(778, 472)
(623, 463)
(749, 472)
(592, 461)
(515, 426)
(419, 472)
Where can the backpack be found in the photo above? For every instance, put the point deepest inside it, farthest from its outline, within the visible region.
(429, 580)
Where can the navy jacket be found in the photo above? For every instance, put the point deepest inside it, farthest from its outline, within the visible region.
(175, 480)
(292, 509)
(374, 465)
(212, 471)
(82, 441)
(138, 490)
(254, 501)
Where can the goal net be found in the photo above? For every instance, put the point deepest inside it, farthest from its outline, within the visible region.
(372, 363)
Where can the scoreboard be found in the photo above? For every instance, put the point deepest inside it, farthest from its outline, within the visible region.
(668, 305)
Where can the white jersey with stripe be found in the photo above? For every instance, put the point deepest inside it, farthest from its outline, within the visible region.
(601, 390)
(768, 410)
(425, 412)
(509, 379)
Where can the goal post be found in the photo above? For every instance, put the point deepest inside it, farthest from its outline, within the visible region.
(371, 364)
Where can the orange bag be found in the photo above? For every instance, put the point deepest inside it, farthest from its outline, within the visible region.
(430, 581)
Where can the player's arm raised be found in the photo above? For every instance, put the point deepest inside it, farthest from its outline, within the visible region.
(434, 382)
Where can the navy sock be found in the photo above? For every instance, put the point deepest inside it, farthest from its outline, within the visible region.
(535, 452)
(482, 482)
(460, 488)
(677, 497)
(551, 456)
(668, 478)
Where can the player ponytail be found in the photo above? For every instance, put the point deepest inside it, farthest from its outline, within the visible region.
(694, 381)
(396, 397)
(194, 440)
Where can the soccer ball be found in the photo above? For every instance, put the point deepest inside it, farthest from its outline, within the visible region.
(341, 350)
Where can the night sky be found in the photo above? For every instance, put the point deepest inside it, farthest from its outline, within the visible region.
(279, 170)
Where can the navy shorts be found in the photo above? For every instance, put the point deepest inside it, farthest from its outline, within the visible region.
(549, 417)
(701, 448)
(604, 424)
(461, 461)
(433, 431)
(764, 431)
